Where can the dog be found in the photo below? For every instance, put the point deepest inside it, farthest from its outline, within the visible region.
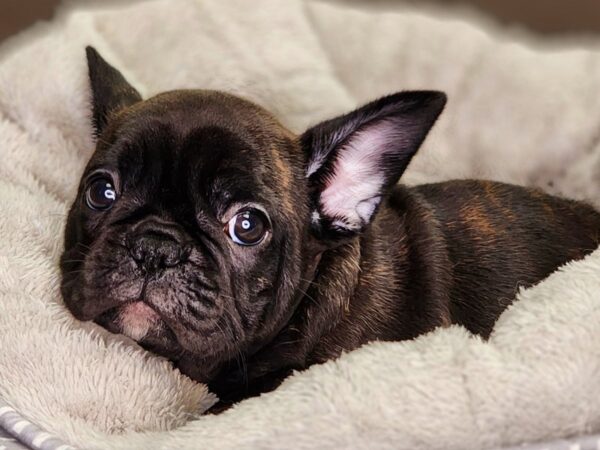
(212, 235)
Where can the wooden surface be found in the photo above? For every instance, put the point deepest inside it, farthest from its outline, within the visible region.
(18, 14)
(546, 16)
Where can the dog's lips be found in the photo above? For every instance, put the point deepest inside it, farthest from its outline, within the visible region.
(136, 319)
(140, 322)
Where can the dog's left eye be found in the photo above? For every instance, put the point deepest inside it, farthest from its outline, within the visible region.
(248, 227)
(101, 193)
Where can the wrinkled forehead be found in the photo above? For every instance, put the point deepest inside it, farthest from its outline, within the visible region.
(225, 150)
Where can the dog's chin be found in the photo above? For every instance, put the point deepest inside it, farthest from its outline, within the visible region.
(140, 322)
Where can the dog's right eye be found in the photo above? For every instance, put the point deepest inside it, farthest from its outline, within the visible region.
(101, 193)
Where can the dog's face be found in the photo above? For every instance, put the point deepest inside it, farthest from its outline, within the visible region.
(200, 220)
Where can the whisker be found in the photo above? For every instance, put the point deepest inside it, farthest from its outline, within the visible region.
(240, 358)
(294, 341)
(315, 302)
(72, 272)
(310, 282)
(104, 141)
(226, 338)
(84, 246)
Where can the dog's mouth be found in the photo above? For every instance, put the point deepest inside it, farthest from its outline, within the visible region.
(137, 319)
(142, 323)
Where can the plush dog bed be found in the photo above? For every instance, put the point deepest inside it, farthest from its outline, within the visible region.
(525, 114)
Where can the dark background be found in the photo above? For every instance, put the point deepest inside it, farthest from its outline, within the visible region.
(544, 16)
(18, 14)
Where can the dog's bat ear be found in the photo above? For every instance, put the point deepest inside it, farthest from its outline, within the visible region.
(110, 90)
(355, 159)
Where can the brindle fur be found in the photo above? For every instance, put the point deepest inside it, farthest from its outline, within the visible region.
(453, 252)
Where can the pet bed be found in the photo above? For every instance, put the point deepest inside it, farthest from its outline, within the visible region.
(521, 110)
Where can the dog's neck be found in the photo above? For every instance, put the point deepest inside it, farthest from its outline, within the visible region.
(390, 283)
(327, 299)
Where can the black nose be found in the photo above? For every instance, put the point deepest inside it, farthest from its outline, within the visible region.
(156, 245)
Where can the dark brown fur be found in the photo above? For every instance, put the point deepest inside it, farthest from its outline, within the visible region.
(453, 252)
(334, 273)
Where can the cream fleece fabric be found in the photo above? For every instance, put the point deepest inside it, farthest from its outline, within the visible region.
(523, 114)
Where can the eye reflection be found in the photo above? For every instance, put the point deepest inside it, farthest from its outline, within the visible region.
(101, 193)
(248, 227)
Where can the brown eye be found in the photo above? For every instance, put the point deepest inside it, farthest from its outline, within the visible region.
(101, 193)
(248, 227)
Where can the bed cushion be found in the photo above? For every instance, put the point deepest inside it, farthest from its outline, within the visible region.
(520, 110)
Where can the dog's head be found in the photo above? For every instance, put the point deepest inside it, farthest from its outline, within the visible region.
(199, 219)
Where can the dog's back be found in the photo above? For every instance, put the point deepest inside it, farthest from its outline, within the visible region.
(502, 237)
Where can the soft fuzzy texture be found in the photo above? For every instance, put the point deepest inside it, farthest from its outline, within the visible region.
(515, 114)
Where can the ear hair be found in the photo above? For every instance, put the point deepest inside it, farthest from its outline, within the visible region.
(110, 91)
(354, 159)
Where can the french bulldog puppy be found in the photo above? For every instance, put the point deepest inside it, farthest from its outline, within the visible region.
(210, 234)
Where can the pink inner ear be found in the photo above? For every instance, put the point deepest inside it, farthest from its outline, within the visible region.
(353, 190)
